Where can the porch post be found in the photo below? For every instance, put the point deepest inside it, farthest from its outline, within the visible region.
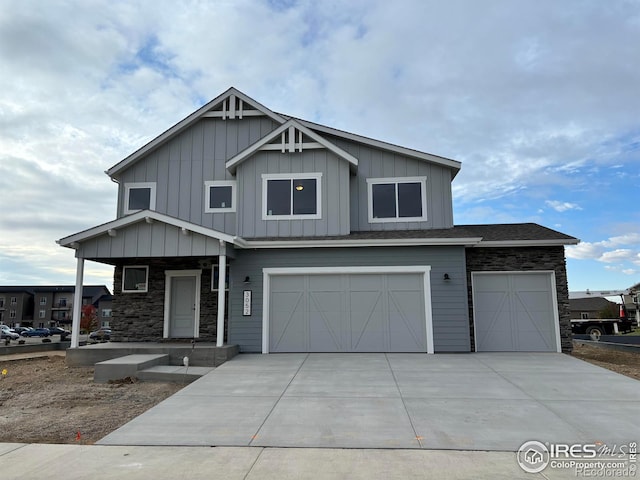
(77, 304)
(222, 269)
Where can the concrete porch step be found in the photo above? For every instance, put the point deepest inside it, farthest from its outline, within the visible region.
(127, 366)
(171, 373)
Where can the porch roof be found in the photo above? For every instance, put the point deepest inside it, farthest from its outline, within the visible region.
(146, 234)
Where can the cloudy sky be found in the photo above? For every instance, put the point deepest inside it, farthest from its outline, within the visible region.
(539, 100)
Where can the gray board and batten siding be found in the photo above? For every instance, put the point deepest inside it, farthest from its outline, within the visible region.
(448, 297)
(378, 163)
(334, 194)
(182, 165)
(142, 239)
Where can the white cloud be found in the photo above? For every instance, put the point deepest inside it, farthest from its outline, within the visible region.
(527, 97)
(562, 206)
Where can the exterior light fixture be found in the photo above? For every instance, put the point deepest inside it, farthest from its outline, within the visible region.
(247, 280)
(446, 277)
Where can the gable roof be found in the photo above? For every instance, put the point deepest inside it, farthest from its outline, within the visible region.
(145, 215)
(226, 102)
(586, 304)
(290, 126)
(230, 105)
(446, 162)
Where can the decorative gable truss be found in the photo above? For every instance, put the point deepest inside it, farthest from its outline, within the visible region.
(234, 107)
(291, 137)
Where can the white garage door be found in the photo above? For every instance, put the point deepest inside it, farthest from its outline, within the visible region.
(515, 312)
(345, 312)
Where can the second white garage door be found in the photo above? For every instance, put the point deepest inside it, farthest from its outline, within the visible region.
(515, 311)
(347, 312)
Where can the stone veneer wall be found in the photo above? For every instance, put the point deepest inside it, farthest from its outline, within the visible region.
(524, 259)
(139, 317)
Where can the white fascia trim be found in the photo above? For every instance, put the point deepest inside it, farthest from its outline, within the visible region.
(233, 162)
(466, 242)
(527, 243)
(425, 270)
(138, 217)
(186, 122)
(384, 145)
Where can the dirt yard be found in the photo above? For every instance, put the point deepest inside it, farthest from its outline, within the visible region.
(44, 401)
(626, 363)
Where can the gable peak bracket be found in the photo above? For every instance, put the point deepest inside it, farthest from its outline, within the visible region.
(291, 140)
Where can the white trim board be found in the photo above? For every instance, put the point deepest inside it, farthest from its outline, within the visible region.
(267, 273)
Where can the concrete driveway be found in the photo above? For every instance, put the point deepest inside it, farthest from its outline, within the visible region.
(480, 401)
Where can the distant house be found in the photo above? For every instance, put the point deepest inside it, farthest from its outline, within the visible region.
(592, 308)
(44, 306)
(244, 226)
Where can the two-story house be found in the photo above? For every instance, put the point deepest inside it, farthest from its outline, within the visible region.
(277, 234)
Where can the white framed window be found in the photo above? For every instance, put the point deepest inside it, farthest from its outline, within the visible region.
(220, 196)
(139, 196)
(291, 196)
(43, 300)
(42, 313)
(397, 199)
(12, 314)
(215, 275)
(1, 302)
(106, 312)
(14, 300)
(584, 315)
(135, 279)
(63, 302)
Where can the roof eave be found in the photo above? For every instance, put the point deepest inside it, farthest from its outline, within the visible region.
(185, 123)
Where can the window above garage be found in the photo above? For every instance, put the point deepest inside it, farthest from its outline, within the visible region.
(291, 196)
(397, 199)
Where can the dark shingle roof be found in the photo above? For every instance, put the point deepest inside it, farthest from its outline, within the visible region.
(586, 304)
(508, 232)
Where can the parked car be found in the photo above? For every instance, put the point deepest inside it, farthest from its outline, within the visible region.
(58, 331)
(37, 332)
(101, 334)
(6, 332)
(19, 330)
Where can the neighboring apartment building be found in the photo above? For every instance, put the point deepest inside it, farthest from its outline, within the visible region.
(44, 306)
(313, 239)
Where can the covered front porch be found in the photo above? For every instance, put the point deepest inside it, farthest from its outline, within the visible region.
(170, 280)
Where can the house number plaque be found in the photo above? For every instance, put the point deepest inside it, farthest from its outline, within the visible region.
(246, 303)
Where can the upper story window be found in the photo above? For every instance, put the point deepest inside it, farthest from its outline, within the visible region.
(397, 199)
(135, 279)
(291, 196)
(43, 300)
(1, 302)
(220, 196)
(14, 300)
(106, 312)
(139, 196)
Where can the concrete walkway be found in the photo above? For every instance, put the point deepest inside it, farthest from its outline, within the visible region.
(70, 462)
(490, 401)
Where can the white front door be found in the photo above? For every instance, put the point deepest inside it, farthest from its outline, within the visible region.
(182, 304)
